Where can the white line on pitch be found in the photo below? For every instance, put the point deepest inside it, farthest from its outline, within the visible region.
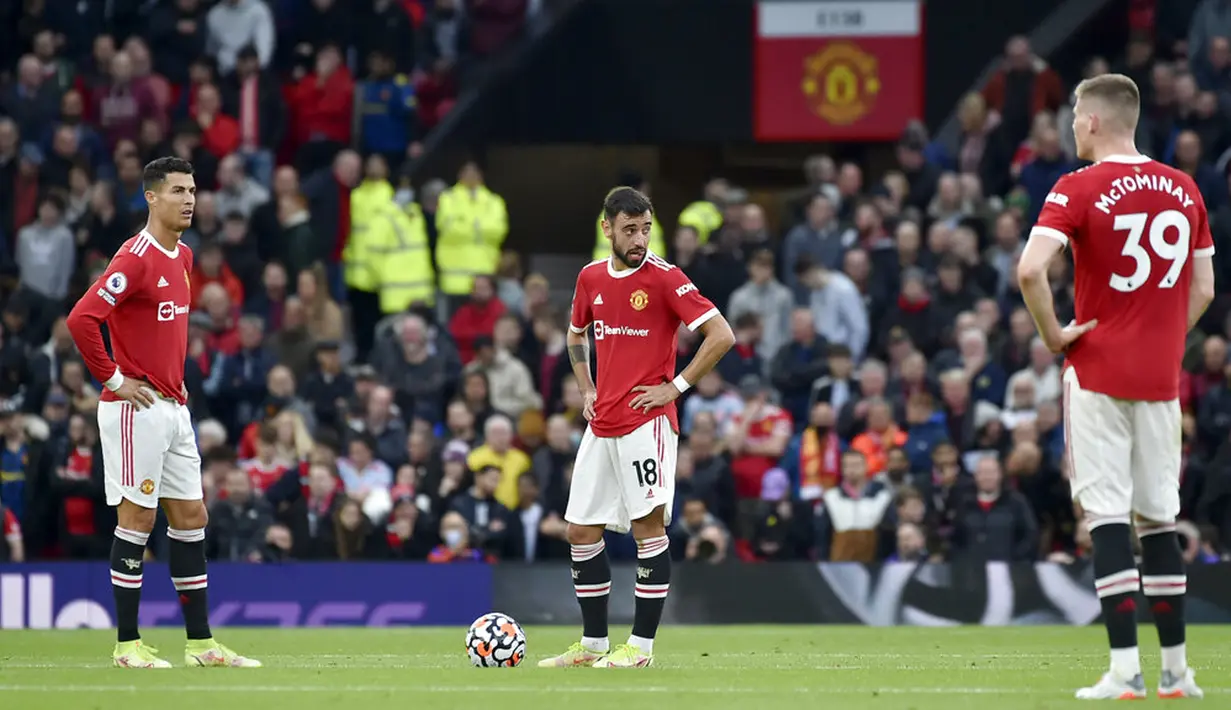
(564, 690)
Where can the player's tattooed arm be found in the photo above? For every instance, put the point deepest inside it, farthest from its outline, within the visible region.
(578, 346)
(579, 353)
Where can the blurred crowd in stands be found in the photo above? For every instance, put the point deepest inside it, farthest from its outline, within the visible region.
(375, 377)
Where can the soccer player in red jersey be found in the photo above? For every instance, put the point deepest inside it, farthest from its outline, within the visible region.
(1143, 275)
(624, 474)
(150, 454)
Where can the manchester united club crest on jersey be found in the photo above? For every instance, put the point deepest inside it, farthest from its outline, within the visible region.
(639, 300)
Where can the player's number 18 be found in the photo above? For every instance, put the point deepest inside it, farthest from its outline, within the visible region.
(647, 472)
(1176, 252)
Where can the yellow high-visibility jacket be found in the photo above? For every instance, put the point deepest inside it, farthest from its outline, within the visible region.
(471, 227)
(398, 247)
(703, 216)
(369, 199)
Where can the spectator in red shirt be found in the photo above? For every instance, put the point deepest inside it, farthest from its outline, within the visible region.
(223, 334)
(1023, 87)
(219, 132)
(323, 111)
(477, 317)
(77, 484)
(267, 467)
(757, 438)
(210, 269)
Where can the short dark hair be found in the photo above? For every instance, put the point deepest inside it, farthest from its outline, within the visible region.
(365, 438)
(55, 199)
(627, 201)
(157, 170)
(220, 454)
(747, 319)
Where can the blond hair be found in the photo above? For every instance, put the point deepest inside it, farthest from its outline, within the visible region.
(1118, 93)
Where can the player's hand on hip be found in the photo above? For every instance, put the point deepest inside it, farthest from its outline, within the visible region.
(654, 396)
(136, 393)
(184, 389)
(587, 407)
(1069, 335)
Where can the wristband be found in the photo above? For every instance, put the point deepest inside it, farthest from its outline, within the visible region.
(681, 384)
(115, 381)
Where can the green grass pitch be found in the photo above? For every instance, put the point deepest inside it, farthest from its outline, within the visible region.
(710, 668)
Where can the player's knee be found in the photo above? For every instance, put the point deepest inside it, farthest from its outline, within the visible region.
(197, 518)
(652, 525)
(187, 515)
(131, 516)
(584, 534)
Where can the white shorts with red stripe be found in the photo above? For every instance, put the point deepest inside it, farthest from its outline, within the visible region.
(149, 454)
(619, 479)
(1123, 456)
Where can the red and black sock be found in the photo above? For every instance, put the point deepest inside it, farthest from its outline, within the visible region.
(127, 570)
(186, 559)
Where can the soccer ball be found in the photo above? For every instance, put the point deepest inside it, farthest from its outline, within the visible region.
(495, 641)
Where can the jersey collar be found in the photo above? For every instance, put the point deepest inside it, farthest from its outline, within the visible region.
(172, 254)
(611, 270)
(1126, 159)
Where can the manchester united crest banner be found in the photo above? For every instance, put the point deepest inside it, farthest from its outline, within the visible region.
(840, 70)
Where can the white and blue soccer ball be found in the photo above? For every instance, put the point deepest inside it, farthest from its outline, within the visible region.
(495, 640)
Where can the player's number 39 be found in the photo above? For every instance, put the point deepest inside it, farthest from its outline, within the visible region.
(1176, 252)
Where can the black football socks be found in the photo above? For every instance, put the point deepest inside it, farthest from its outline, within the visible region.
(1165, 585)
(1116, 581)
(653, 583)
(188, 573)
(127, 567)
(592, 584)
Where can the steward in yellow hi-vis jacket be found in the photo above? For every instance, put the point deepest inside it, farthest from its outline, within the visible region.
(705, 215)
(368, 201)
(398, 246)
(471, 224)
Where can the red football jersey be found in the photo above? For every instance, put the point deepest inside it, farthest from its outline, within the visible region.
(1134, 226)
(261, 475)
(636, 314)
(749, 469)
(143, 297)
